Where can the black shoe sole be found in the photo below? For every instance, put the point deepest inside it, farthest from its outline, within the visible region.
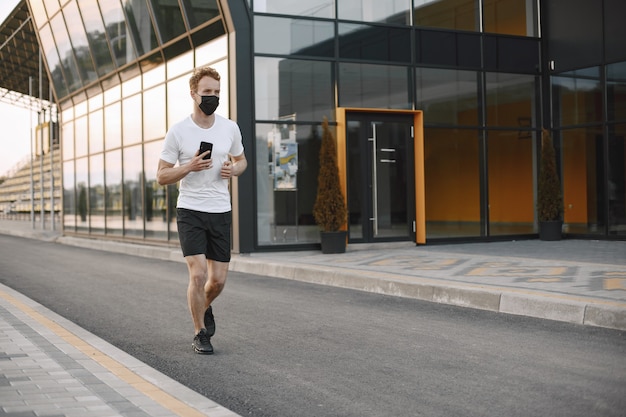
(201, 352)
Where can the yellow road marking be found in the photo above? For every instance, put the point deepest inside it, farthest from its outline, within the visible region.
(125, 374)
(615, 284)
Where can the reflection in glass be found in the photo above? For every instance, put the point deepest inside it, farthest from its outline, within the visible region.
(396, 12)
(133, 205)
(275, 35)
(156, 205)
(285, 216)
(82, 205)
(447, 14)
(96, 36)
(510, 17)
(452, 183)
(511, 186)
(113, 126)
(79, 43)
(169, 19)
(141, 26)
(121, 44)
(96, 193)
(374, 86)
(131, 123)
(579, 95)
(198, 12)
(154, 111)
(67, 133)
(38, 12)
(616, 90)
(510, 100)
(290, 86)
(62, 41)
(179, 102)
(371, 42)
(617, 179)
(114, 202)
(310, 8)
(583, 189)
(96, 134)
(69, 197)
(448, 96)
(54, 63)
(82, 138)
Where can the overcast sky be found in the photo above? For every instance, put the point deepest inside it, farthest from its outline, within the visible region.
(14, 121)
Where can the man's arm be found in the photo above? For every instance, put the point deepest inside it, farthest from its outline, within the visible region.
(234, 167)
(168, 174)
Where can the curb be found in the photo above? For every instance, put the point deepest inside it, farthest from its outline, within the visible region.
(542, 305)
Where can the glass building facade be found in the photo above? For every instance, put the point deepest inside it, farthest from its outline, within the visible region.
(437, 105)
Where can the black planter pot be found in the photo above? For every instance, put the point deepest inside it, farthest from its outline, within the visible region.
(333, 242)
(550, 230)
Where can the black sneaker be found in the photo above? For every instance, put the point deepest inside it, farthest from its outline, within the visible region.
(209, 321)
(202, 343)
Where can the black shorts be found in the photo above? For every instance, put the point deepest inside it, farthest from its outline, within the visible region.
(204, 233)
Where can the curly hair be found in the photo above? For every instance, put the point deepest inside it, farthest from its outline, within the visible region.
(200, 73)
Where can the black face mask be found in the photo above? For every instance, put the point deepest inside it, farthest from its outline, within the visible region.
(209, 104)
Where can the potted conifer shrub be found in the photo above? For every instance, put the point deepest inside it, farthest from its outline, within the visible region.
(549, 198)
(329, 210)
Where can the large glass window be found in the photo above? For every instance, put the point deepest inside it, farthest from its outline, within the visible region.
(154, 112)
(511, 183)
(311, 8)
(54, 63)
(67, 133)
(169, 19)
(390, 11)
(275, 35)
(96, 133)
(579, 95)
(155, 207)
(62, 41)
(113, 126)
(448, 96)
(82, 188)
(583, 184)
(617, 179)
(510, 100)
(121, 44)
(69, 197)
(179, 103)
(141, 26)
(96, 193)
(285, 87)
(374, 86)
(375, 43)
(198, 12)
(511, 17)
(82, 138)
(447, 14)
(79, 43)
(131, 126)
(96, 36)
(616, 91)
(287, 167)
(133, 205)
(113, 192)
(452, 182)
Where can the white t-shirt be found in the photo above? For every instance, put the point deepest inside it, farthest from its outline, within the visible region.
(203, 190)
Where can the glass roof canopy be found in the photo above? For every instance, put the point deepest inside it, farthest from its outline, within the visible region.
(88, 45)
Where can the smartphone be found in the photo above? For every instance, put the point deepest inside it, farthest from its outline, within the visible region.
(206, 146)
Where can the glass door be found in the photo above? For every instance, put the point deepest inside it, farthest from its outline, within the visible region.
(381, 183)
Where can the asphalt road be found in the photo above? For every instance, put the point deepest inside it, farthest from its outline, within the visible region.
(287, 348)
